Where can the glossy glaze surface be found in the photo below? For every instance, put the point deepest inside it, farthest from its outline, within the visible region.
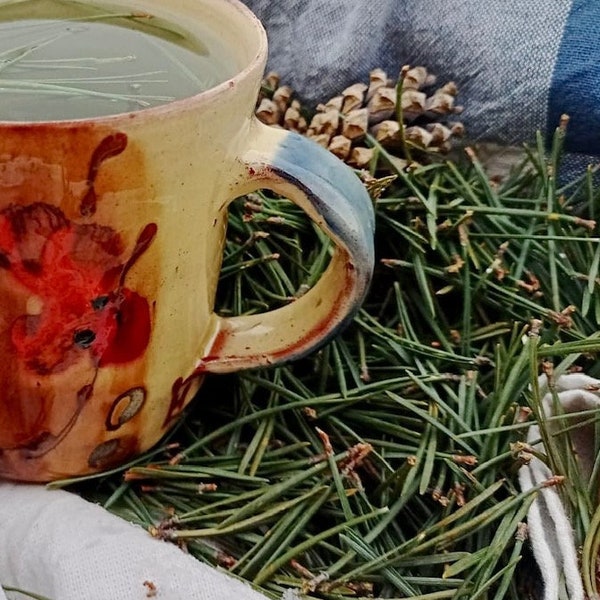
(111, 238)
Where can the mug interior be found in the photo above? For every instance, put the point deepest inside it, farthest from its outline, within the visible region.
(231, 32)
(230, 21)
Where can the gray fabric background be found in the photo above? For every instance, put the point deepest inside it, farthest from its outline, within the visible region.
(501, 53)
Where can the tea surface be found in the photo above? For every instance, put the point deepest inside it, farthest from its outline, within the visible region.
(68, 60)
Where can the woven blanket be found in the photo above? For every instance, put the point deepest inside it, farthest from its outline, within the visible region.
(519, 64)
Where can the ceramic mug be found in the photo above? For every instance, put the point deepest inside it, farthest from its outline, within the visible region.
(111, 238)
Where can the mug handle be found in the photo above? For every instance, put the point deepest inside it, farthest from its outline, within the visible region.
(334, 198)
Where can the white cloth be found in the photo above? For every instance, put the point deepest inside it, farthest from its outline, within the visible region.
(550, 529)
(60, 546)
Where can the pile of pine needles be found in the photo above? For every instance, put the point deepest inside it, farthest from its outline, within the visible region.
(385, 464)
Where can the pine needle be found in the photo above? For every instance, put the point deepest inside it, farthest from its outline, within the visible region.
(385, 465)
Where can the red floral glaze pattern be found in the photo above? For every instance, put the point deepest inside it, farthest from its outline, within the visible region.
(69, 274)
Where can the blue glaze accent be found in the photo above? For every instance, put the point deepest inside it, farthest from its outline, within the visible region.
(334, 190)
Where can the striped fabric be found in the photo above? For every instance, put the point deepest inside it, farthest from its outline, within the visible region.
(519, 64)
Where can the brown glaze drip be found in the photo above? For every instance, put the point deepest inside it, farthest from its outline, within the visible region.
(111, 145)
(46, 441)
(142, 244)
(180, 395)
(113, 452)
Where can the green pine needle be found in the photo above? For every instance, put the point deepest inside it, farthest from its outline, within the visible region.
(385, 465)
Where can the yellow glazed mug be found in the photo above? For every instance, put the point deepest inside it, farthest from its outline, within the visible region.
(111, 237)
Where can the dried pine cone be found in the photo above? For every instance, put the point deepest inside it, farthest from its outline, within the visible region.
(343, 122)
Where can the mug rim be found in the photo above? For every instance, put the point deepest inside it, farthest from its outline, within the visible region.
(179, 104)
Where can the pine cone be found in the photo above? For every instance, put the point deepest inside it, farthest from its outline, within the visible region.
(344, 123)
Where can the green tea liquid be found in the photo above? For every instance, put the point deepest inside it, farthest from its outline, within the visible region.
(62, 60)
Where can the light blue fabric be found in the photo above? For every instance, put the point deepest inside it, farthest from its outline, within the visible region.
(518, 64)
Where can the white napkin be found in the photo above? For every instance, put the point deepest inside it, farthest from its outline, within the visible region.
(550, 530)
(60, 546)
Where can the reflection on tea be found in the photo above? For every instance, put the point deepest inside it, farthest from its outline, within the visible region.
(63, 60)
